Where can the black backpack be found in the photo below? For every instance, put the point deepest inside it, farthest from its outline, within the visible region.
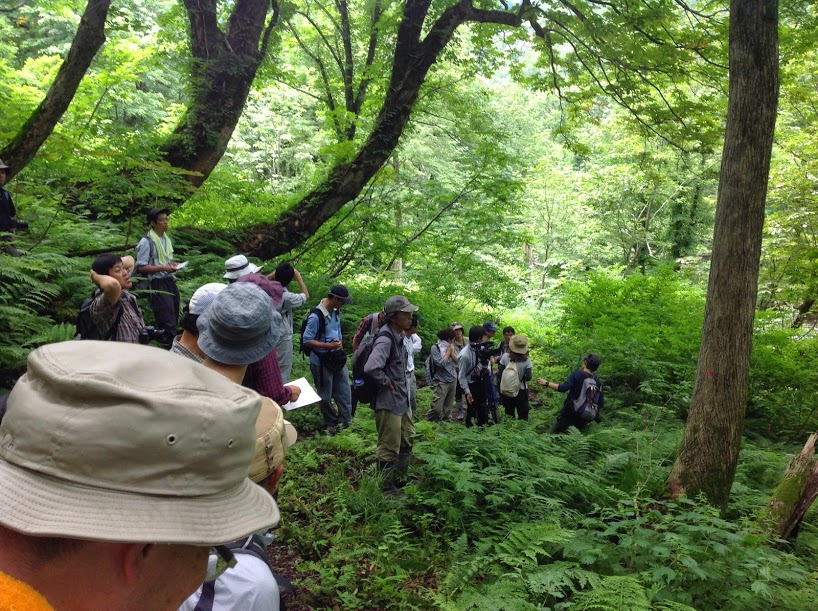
(322, 323)
(364, 388)
(86, 329)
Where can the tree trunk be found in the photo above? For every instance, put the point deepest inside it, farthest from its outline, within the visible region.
(706, 462)
(224, 67)
(413, 59)
(87, 41)
(801, 312)
(794, 495)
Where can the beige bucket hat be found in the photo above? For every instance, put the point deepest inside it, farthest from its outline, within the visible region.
(123, 442)
(274, 435)
(518, 343)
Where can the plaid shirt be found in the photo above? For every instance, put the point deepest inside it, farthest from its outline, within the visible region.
(130, 324)
(264, 377)
(364, 326)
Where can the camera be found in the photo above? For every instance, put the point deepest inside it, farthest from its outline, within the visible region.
(149, 333)
(484, 351)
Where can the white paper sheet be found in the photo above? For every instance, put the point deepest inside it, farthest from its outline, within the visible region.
(181, 265)
(308, 395)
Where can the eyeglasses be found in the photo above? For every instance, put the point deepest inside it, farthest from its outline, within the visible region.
(219, 560)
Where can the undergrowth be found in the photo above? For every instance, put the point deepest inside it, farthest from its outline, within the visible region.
(506, 517)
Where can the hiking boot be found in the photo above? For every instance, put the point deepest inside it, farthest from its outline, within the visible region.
(331, 430)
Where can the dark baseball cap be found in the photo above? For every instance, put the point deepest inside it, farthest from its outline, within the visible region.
(341, 292)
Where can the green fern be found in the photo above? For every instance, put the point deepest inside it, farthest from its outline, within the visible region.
(614, 594)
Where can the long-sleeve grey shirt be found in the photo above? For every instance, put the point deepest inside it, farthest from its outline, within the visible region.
(467, 363)
(387, 364)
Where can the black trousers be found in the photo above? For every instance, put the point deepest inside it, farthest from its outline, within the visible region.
(565, 420)
(516, 407)
(163, 298)
(479, 408)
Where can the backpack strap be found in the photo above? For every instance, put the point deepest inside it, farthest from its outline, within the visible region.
(373, 322)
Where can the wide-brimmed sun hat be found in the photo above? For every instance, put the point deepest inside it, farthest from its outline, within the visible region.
(274, 435)
(518, 344)
(238, 265)
(121, 442)
(240, 326)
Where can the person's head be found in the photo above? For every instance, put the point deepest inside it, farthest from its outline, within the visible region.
(237, 266)
(126, 463)
(240, 326)
(158, 219)
(507, 333)
(285, 272)
(491, 328)
(446, 334)
(458, 330)
(3, 172)
(199, 303)
(518, 347)
(592, 361)
(399, 311)
(477, 334)
(110, 264)
(338, 296)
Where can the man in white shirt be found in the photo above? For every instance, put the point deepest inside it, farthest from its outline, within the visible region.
(284, 274)
(413, 344)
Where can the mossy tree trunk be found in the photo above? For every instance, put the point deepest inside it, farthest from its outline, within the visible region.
(224, 67)
(794, 495)
(87, 41)
(706, 462)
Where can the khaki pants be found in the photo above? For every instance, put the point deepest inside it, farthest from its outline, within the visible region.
(442, 400)
(395, 432)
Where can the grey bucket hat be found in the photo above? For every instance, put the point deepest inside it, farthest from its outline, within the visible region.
(240, 326)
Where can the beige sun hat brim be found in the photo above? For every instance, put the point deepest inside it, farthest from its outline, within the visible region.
(41, 505)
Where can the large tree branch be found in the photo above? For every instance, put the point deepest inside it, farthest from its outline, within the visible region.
(87, 41)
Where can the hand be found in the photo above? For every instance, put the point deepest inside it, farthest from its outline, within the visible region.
(469, 398)
(170, 267)
(296, 274)
(390, 386)
(334, 344)
(295, 391)
(95, 277)
(542, 382)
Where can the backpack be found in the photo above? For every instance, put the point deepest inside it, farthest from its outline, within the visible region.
(322, 323)
(586, 406)
(429, 366)
(510, 380)
(140, 282)
(86, 329)
(363, 387)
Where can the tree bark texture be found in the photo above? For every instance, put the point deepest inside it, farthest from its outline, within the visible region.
(794, 495)
(87, 41)
(224, 67)
(414, 56)
(706, 462)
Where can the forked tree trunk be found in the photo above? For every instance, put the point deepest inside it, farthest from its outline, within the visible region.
(794, 495)
(224, 67)
(706, 462)
(87, 41)
(414, 56)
